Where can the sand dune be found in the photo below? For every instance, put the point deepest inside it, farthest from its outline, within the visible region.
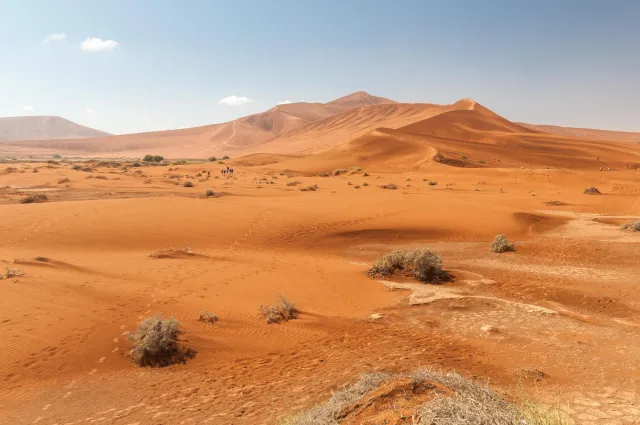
(587, 133)
(43, 128)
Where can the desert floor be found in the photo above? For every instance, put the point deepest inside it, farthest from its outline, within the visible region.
(558, 319)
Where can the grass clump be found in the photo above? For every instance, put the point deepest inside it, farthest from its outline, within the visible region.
(591, 191)
(421, 263)
(63, 180)
(634, 226)
(11, 273)
(210, 193)
(432, 183)
(390, 186)
(35, 198)
(41, 259)
(155, 343)
(207, 316)
(293, 183)
(282, 311)
(312, 188)
(323, 175)
(339, 171)
(188, 184)
(501, 244)
(101, 177)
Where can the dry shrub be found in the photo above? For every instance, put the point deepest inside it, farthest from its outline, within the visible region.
(63, 180)
(634, 226)
(282, 311)
(463, 402)
(11, 273)
(501, 244)
(42, 259)
(555, 203)
(155, 343)
(172, 252)
(423, 264)
(148, 181)
(389, 186)
(309, 188)
(365, 184)
(207, 316)
(592, 191)
(175, 176)
(293, 183)
(323, 175)
(210, 193)
(100, 177)
(339, 171)
(188, 184)
(431, 183)
(35, 198)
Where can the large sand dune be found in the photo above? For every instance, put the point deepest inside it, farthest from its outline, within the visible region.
(44, 128)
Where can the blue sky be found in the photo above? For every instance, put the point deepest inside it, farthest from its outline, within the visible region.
(167, 64)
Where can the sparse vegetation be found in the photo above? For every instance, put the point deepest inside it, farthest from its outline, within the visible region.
(365, 184)
(592, 191)
(155, 342)
(207, 316)
(312, 188)
(42, 259)
(634, 226)
(391, 186)
(555, 203)
(423, 264)
(210, 193)
(172, 252)
(35, 198)
(11, 273)
(339, 171)
(57, 156)
(451, 400)
(179, 162)
(501, 244)
(213, 159)
(282, 311)
(153, 158)
(101, 177)
(323, 175)
(431, 183)
(63, 180)
(188, 184)
(293, 183)
(224, 158)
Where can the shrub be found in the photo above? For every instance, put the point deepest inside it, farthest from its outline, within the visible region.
(213, 159)
(136, 164)
(293, 183)
(63, 180)
(283, 310)
(35, 198)
(365, 184)
(555, 203)
(323, 175)
(155, 342)
(225, 158)
(309, 188)
(592, 191)
(207, 316)
(389, 186)
(158, 158)
(365, 174)
(100, 177)
(501, 244)
(175, 176)
(11, 273)
(209, 193)
(56, 156)
(425, 265)
(188, 184)
(148, 158)
(179, 162)
(432, 183)
(339, 171)
(633, 226)
(42, 259)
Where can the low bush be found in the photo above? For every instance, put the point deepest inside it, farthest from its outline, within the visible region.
(501, 244)
(282, 311)
(179, 162)
(389, 186)
(633, 226)
(339, 171)
(35, 198)
(431, 183)
(209, 193)
(63, 180)
(207, 316)
(155, 342)
(42, 259)
(309, 188)
(101, 177)
(188, 184)
(11, 273)
(592, 191)
(293, 183)
(365, 184)
(323, 175)
(213, 159)
(224, 158)
(423, 264)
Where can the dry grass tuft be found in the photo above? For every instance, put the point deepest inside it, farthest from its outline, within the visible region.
(282, 311)
(35, 198)
(11, 273)
(172, 252)
(188, 184)
(389, 186)
(293, 183)
(155, 343)
(423, 264)
(207, 316)
(309, 188)
(323, 175)
(592, 191)
(501, 244)
(42, 259)
(634, 226)
(555, 203)
(63, 180)
(339, 171)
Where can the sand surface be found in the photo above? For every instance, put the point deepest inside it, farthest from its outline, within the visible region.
(565, 303)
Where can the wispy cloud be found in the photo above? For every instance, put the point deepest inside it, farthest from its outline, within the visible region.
(28, 108)
(234, 100)
(54, 37)
(93, 44)
(284, 102)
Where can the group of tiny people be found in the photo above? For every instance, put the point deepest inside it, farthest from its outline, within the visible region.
(227, 171)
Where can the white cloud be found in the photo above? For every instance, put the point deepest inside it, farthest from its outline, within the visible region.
(28, 108)
(54, 37)
(93, 44)
(90, 111)
(284, 102)
(234, 100)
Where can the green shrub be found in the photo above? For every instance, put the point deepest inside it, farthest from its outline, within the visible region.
(57, 156)
(213, 159)
(224, 158)
(501, 244)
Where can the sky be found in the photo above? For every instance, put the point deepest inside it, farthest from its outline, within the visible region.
(127, 66)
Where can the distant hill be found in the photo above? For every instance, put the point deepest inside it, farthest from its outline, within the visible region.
(44, 128)
(587, 133)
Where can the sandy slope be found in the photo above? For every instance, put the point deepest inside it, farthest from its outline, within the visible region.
(587, 133)
(43, 128)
